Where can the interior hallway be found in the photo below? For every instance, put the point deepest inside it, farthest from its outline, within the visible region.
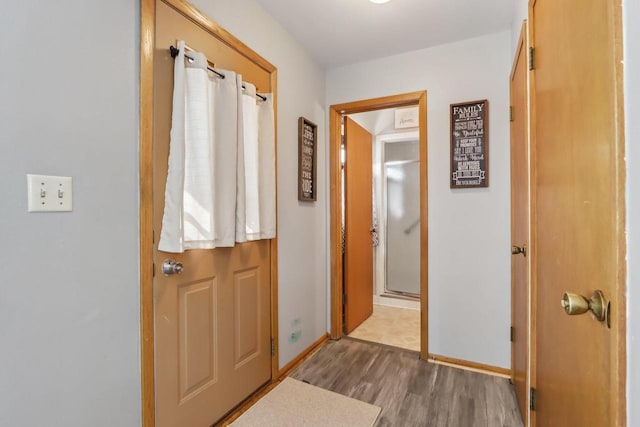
(410, 391)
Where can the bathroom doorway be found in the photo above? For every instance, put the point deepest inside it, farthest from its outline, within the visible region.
(397, 152)
(393, 185)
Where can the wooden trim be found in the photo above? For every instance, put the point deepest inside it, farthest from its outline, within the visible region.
(533, 241)
(274, 244)
(260, 393)
(382, 103)
(335, 115)
(291, 366)
(618, 397)
(199, 18)
(489, 369)
(424, 227)
(335, 215)
(523, 45)
(147, 46)
(147, 355)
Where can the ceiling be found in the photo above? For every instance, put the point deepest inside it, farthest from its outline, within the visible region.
(338, 32)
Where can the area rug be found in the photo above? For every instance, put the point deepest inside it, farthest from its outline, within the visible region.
(293, 403)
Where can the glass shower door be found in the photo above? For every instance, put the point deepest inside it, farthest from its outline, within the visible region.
(402, 178)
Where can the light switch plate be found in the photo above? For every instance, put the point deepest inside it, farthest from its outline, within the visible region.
(49, 193)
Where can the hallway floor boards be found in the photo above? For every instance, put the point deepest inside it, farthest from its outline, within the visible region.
(410, 391)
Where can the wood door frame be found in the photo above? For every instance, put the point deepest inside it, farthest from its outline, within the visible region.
(617, 398)
(335, 114)
(147, 331)
(523, 44)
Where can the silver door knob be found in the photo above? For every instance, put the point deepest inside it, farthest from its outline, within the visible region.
(170, 266)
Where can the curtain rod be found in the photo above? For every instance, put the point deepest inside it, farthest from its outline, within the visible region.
(174, 52)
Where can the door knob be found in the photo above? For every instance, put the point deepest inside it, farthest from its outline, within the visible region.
(574, 304)
(515, 250)
(170, 266)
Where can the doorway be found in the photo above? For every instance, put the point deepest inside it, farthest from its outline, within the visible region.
(390, 298)
(337, 112)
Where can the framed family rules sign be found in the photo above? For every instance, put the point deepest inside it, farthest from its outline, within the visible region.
(307, 145)
(470, 144)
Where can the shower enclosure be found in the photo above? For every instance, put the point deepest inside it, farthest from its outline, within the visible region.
(402, 218)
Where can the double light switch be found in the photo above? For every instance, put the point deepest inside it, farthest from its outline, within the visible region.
(49, 193)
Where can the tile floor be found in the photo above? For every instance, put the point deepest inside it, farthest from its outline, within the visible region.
(399, 327)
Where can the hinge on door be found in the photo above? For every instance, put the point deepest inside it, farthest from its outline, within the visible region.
(510, 114)
(532, 399)
(532, 58)
(344, 299)
(273, 347)
(153, 236)
(153, 270)
(513, 334)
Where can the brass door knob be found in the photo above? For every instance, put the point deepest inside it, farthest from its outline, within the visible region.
(516, 250)
(574, 304)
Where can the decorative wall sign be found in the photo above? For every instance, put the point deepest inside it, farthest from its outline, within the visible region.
(406, 118)
(307, 143)
(470, 144)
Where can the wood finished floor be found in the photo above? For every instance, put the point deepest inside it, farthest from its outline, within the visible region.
(410, 391)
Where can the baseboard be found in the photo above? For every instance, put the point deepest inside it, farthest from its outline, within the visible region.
(282, 373)
(465, 364)
(289, 367)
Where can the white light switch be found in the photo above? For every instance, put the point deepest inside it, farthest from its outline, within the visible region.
(49, 193)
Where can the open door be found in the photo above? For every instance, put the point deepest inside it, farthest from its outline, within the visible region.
(520, 225)
(579, 212)
(358, 270)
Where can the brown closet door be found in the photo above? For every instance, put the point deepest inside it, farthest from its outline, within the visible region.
(579, 210)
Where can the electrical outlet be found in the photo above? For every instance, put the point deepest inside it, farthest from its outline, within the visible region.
(49, 193)
(294, 336)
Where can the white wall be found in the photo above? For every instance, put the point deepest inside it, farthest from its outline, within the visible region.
(302, 226)
(520, 12)
(69, 300)
(632, 110)
(469, 264)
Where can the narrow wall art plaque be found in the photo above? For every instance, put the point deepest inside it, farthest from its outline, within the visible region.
(470, 144)
(307, 145)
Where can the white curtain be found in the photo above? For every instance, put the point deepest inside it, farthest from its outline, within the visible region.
(267, 165)
(214, 192)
